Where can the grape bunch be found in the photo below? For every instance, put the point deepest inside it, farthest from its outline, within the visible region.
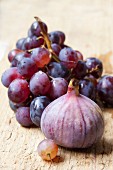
(41, 67)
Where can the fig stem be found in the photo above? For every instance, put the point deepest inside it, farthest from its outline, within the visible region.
(73, 85)
(47, 40)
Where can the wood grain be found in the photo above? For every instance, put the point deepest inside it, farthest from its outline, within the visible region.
(89, 28)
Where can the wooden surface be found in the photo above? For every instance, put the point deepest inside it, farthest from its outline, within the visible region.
(89, 28)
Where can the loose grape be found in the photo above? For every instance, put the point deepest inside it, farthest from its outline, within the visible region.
(18, 91)
(39, 83)
(9, 75)
(23, 116)
(40, 56)
(37, 107)
(47, 149)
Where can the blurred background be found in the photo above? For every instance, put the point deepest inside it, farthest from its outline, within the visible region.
(87, 24)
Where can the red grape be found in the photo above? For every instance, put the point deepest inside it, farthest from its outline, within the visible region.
(13, 53)
(18, 91)
(41, 56)
(27, 67)
(56, 48)
(19, 44)
(79, 55)
(57, 37)
(9, 75)
(47, 149)
(68, 57)
(58, 88)
(23, 116)
(39, 84)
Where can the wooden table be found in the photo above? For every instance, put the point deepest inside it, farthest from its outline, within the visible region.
(88, 26)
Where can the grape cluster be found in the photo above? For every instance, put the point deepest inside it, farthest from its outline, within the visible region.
(41, 67)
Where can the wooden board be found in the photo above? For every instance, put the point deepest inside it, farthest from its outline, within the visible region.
(89, 28)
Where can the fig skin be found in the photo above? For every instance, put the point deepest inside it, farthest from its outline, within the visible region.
(73, 121)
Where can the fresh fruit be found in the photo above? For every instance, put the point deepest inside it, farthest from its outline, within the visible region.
(13, 53)
(94, 66)
(47, 149)
(57, 37)
(58, 87)
(27, 67)
(37, 107)
(39, 83)
(9, 75)
(68, 57)
(73, 120)
(23, 116)
(105, 89)
(18, 91)
(41, 56)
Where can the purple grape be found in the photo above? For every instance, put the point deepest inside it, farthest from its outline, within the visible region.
(56, 48)
(80, 71)
(39, 84)
(9, 75)
(19, 57)
(23, 116)
(79, 55)
(58, 88)
(57, 70)
(13, 53)
(94, 66)
(68, 57)
(105, 89)
(37, 107)
(57, 37)
(18, 91)
(87, 88)
(30, 34)
(35, 28)
(19, 43)
(32, 42)
(27, 67)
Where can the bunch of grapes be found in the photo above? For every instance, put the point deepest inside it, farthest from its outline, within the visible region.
(41, 67)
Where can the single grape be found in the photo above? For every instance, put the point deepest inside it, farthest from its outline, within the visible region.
(30, 34)
(39, 83)
(56, 48)
(58, 88)
(68, 57)
(57, 37)
(57, 70)
(27, 67)
(9, 75)
(19, 44)
(80, 71)
(23, 116)
(37, 107)
(18, 91)
(105, 89)
(79, 55)
(35, 28)
(87, 88)
(19, 57)
(47, 149)
(13, 53)
(41, 56)
(32, 42)
(94, 66)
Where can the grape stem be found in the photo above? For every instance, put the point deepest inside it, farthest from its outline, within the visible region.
(47, 40)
